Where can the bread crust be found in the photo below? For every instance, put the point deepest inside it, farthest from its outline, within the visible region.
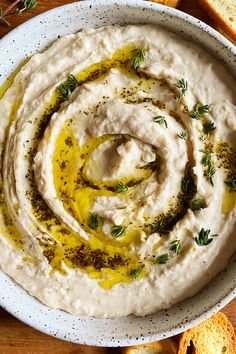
(166, 345)
(216, 329)
(171, 3)
(219, 29)
(218, 18)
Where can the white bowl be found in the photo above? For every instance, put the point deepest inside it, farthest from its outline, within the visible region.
(32, 37)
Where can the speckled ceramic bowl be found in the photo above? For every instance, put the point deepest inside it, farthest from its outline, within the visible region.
(33, 36)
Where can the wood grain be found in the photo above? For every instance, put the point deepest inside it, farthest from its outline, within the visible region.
(16, 20)
(15, 336)
(18, 338)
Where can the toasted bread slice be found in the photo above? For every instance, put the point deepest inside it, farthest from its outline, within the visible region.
(213, 336)
(166, 346)
(219, 29)
(223, 13)
(171, 3)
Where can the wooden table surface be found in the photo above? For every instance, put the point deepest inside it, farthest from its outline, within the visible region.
(16, 337)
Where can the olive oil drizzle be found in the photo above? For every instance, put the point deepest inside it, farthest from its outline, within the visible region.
(7, 226)
(226, 157)
(77, 192)
(226, 160)
(108, 260)
(99, 260)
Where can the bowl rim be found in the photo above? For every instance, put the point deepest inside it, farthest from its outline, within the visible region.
(203, 27)
(137, 3)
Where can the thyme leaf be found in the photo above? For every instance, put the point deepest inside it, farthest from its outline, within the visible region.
(28, 5)
(140, 57)
(203, 237)
(197, 204)
(183, 135)
(72, 81)
(117, 231)
(199, 110)
(122, 187)
(163, 259)
(93, 221)
(210, 174)
(210, 169)
(182, 86)
(176, 246)
(135, 273)
(206, 160)
(208, 127)
(160, 120)
(65, 90)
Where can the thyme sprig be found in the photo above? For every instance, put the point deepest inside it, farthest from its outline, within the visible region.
(160, 120)
(28, 5)
(183, 87)
(208, 127)
(203, 237)
(163, 259)
(65, 90)
(117, 231)
(210, 169)
(140, 57)
(93, 221)
(199, 110)
(122, 187)
(176, 246)
(183, 135)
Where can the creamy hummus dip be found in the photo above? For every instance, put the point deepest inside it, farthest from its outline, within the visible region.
(118, 180)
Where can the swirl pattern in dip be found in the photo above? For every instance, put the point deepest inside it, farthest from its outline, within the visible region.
(118, 171)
